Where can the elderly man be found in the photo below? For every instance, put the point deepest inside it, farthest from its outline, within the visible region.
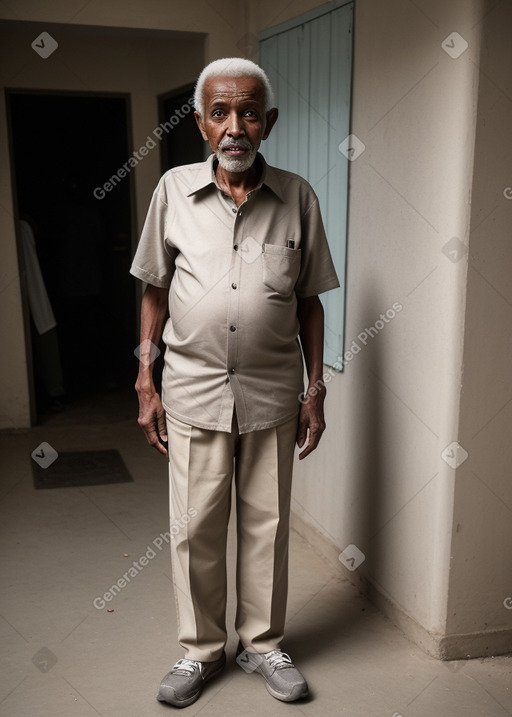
(236, 251)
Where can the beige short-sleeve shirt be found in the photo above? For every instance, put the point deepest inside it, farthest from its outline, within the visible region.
(234, 276)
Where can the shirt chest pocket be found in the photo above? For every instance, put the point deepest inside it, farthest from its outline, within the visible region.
(281, 267)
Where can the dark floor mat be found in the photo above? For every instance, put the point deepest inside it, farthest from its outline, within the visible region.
(78, 468)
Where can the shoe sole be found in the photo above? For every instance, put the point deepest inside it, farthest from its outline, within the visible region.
(285, 698)
(295, 694)
(304, 691)
(179, 703)
(190, 700)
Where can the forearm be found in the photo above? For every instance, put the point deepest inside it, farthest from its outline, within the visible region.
(311, 417)
(152, 316)
(151, 413)
(310, 313)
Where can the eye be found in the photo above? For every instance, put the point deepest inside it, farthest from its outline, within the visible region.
(217, 113)
(250, 113)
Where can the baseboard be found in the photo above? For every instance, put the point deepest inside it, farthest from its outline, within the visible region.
(442, 647)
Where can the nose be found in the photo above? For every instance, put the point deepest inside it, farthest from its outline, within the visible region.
(235, 126)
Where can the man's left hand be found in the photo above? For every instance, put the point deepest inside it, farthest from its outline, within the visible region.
(311, 424)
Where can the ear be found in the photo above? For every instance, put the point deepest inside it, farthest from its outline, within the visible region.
(200, 124)
(271, 120)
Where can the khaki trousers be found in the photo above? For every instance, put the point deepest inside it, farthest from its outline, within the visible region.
(202, 464)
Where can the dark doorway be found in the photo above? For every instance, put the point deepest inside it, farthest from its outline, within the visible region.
(181, 140)
(64, 146)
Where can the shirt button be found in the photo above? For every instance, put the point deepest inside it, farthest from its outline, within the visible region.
(233, 285)
(234, 210)
(231, 370)
(232, 328)
(235, 247)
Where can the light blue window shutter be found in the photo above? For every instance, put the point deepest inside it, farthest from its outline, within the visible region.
(309, 63)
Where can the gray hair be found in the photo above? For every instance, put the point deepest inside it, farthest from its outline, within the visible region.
(232, 67)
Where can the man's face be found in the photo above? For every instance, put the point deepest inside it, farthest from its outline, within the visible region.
(234, 121)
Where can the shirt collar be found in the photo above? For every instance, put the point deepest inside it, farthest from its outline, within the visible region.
(206, 177)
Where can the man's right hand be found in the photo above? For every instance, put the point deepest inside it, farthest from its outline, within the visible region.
(151, 412)
(152, 417)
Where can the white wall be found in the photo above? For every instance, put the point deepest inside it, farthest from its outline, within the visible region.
(480, 579)
(378, 480)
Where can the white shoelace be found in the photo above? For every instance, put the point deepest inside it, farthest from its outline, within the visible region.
(186, 667)
(277, 659)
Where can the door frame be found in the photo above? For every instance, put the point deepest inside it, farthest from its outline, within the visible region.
(9, 93)
(169, 95)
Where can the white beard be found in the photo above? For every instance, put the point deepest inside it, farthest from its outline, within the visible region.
(236, 164)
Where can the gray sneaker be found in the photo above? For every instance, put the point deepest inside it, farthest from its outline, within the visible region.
(284, 681)
(184, 683)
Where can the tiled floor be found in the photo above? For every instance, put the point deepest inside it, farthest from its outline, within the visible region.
(62, 548)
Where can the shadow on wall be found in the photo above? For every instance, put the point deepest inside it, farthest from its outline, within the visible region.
(368, 480)
(341, 623)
